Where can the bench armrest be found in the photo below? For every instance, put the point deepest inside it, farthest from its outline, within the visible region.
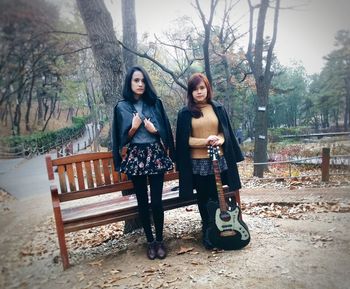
(54, 196)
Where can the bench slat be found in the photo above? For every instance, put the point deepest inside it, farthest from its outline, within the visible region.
(90, 180)
(98, 208)
(62, 178)
(106, 171)
(81, 158)
(71, 179)
(90, 192)
(80, 175)
(115, 175)
(97, 170)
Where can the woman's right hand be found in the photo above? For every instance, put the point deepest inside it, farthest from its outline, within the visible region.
(136, 121)
(212, 140)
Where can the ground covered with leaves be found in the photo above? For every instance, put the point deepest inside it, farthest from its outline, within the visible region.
(301, 243)
(300, 238)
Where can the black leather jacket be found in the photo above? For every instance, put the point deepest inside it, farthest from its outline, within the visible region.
(122, 119)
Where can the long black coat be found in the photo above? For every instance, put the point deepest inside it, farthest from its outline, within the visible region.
(122, 119)
(231, 150)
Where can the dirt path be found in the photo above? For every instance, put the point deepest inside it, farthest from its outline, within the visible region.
(309, 249)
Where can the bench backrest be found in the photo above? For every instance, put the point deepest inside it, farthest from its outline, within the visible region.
(89, 174)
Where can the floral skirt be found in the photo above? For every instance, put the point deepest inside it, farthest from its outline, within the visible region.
(146, 159)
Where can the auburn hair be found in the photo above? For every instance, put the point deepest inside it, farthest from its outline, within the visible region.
(192, 84)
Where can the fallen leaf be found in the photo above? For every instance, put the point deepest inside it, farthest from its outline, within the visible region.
(96, 263)
(184, 250)
(150, 270)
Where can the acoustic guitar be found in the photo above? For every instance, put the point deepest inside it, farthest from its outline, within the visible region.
(226, 228)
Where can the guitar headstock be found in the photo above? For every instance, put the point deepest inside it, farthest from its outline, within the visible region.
(214, 152)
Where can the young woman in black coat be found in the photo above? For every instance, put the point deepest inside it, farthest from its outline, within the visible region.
(201, 123)
(141, 124)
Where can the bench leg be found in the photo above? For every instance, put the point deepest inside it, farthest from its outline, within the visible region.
(61, 238)
(238, 201)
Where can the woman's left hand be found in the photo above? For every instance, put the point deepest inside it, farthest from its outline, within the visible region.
(149, 126)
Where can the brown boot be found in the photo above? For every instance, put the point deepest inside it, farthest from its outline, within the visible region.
(151, 250)
(160, 250)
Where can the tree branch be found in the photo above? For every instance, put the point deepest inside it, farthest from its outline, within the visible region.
(161, 66)
(273, 40)
(74, 51)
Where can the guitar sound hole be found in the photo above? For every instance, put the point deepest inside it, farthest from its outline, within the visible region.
(225, 216)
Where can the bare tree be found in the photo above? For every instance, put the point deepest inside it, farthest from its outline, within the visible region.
(129, 32)
(106, 50)
(207, 24)
(262, 75)
(226, 38)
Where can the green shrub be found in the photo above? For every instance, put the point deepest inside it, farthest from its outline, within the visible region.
(41, 142)
(275, 134)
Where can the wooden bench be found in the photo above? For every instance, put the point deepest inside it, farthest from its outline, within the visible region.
(88, 175)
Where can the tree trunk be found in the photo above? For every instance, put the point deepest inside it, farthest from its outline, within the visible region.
(106, 50)
(69, 113)
(40, 96)
(260, 135)
(206, 53)
(16, 129)
(347, 104)
(129, 32)
(53, 107)
(262, 76)
(29, 103)
(130, 59)
(10, 112)
(46, 108)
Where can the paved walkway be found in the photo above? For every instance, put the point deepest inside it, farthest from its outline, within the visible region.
(27, 178)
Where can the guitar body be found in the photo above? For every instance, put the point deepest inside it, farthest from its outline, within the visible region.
(226, 228)
(230, 234)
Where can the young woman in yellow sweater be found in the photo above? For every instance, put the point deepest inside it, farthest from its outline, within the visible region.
(201, 123)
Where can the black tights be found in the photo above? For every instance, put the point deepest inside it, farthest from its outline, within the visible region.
(206, 189)
(156, 186)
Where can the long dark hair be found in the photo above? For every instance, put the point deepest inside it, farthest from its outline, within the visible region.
(150, 94)
(193, 82)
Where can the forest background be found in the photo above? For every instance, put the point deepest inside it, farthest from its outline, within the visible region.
(63, 63)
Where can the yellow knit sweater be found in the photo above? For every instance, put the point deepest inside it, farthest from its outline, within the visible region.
(203, 127)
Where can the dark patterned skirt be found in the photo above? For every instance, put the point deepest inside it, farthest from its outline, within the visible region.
(146, 159)
(204, 167)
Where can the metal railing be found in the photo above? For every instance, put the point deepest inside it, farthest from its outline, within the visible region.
(325, 162)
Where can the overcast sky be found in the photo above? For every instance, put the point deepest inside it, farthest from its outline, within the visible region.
(305, 35)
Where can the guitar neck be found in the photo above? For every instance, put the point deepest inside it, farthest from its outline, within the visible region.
(221, 196)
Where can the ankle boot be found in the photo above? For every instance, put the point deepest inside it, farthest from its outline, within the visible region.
(151, 250)
(205, 238)
(160, 250)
